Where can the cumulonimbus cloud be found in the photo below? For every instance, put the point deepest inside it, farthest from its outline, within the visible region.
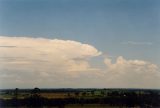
(132, 73)
(29, 62)
(39, 58)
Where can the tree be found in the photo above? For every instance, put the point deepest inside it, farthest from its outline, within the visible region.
(84, 94)
(103, 93)
(92, 92)
(77, 94)
(36, 91)
(16, 93)
(68, 94)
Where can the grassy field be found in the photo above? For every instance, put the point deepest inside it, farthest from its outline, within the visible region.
(54, 95)
(92, 106)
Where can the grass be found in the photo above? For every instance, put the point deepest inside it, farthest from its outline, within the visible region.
(53, 95)
(90, 106)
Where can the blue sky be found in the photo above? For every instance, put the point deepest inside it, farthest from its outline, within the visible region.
(102, 23)
(128, 28)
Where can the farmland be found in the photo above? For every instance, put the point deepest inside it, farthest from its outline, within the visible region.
(75, 98)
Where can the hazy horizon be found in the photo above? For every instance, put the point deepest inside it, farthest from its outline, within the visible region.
(80, 44)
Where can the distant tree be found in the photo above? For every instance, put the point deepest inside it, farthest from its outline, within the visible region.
(68, 94)
(35, 100)
(92, 92)
(84, 94)
(103, 93)
(36, 91)
(16, 93)
(76, 93)
(15, 98)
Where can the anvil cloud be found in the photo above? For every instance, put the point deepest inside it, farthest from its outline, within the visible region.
(29, 62)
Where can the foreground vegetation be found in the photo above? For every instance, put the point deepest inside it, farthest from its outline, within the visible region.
(73, 98)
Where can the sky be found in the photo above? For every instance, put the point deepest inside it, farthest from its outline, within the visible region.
(80, 43)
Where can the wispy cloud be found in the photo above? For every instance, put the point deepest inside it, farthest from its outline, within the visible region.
(136, 43)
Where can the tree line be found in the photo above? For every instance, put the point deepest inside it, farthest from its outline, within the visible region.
(113, 98)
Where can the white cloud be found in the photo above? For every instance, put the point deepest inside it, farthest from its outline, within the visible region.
(47, 59)
(29, 62)
(132, 73)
